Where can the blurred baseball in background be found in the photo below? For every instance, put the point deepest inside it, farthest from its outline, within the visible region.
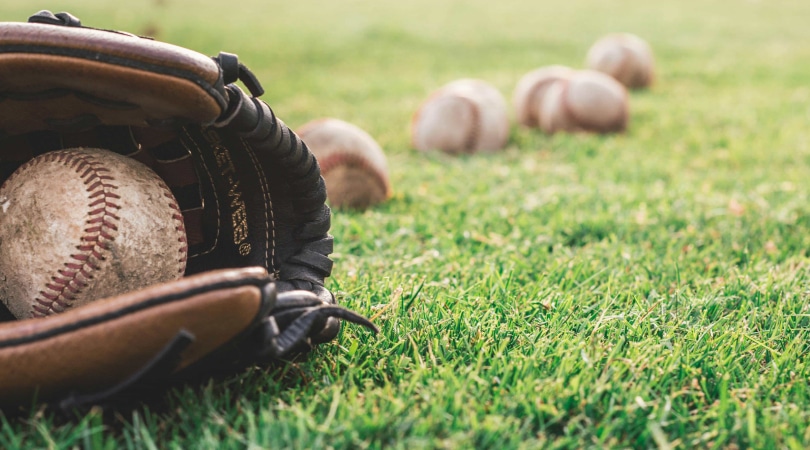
(464, 116)
(624, 56)
(353, 165)
(586, 101)
(531, 88)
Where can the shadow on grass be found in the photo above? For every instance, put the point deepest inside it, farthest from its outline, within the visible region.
(168, 402)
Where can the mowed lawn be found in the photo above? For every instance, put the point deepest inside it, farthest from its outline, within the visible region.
(642, 290)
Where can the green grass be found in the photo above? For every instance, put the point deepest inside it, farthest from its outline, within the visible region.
(644, 290)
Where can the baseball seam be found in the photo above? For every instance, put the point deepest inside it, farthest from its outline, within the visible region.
(572, 121)
(341, 157)
(532, 112)
(416, 119)
(99, 233)
(626, 73)
(179, 225)
(471, 144)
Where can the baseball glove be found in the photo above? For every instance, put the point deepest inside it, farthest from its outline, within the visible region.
(251, 195)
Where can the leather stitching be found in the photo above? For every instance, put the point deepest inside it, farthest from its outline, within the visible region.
(269, 217)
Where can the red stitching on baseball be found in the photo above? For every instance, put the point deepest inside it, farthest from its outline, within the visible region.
(533, 98)
(576, 121)
(625, 73)
(473, 138)
(73, 277)
(571, 118)
(179, 226)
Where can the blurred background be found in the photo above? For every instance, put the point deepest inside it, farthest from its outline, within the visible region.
(372, 61)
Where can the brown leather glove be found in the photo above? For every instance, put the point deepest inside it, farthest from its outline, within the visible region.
(251, 193)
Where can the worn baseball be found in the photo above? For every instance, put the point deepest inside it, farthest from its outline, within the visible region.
(464, 116)
(353, 165)
(82, 224)
(531, 89)
(624, 56)
(587, 101)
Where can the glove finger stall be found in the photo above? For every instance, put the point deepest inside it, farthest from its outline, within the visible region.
(73, 78)
(101, 344)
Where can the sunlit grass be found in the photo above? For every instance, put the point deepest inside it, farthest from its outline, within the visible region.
(642, 290)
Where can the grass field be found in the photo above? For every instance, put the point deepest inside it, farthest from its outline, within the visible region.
(643, 290)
